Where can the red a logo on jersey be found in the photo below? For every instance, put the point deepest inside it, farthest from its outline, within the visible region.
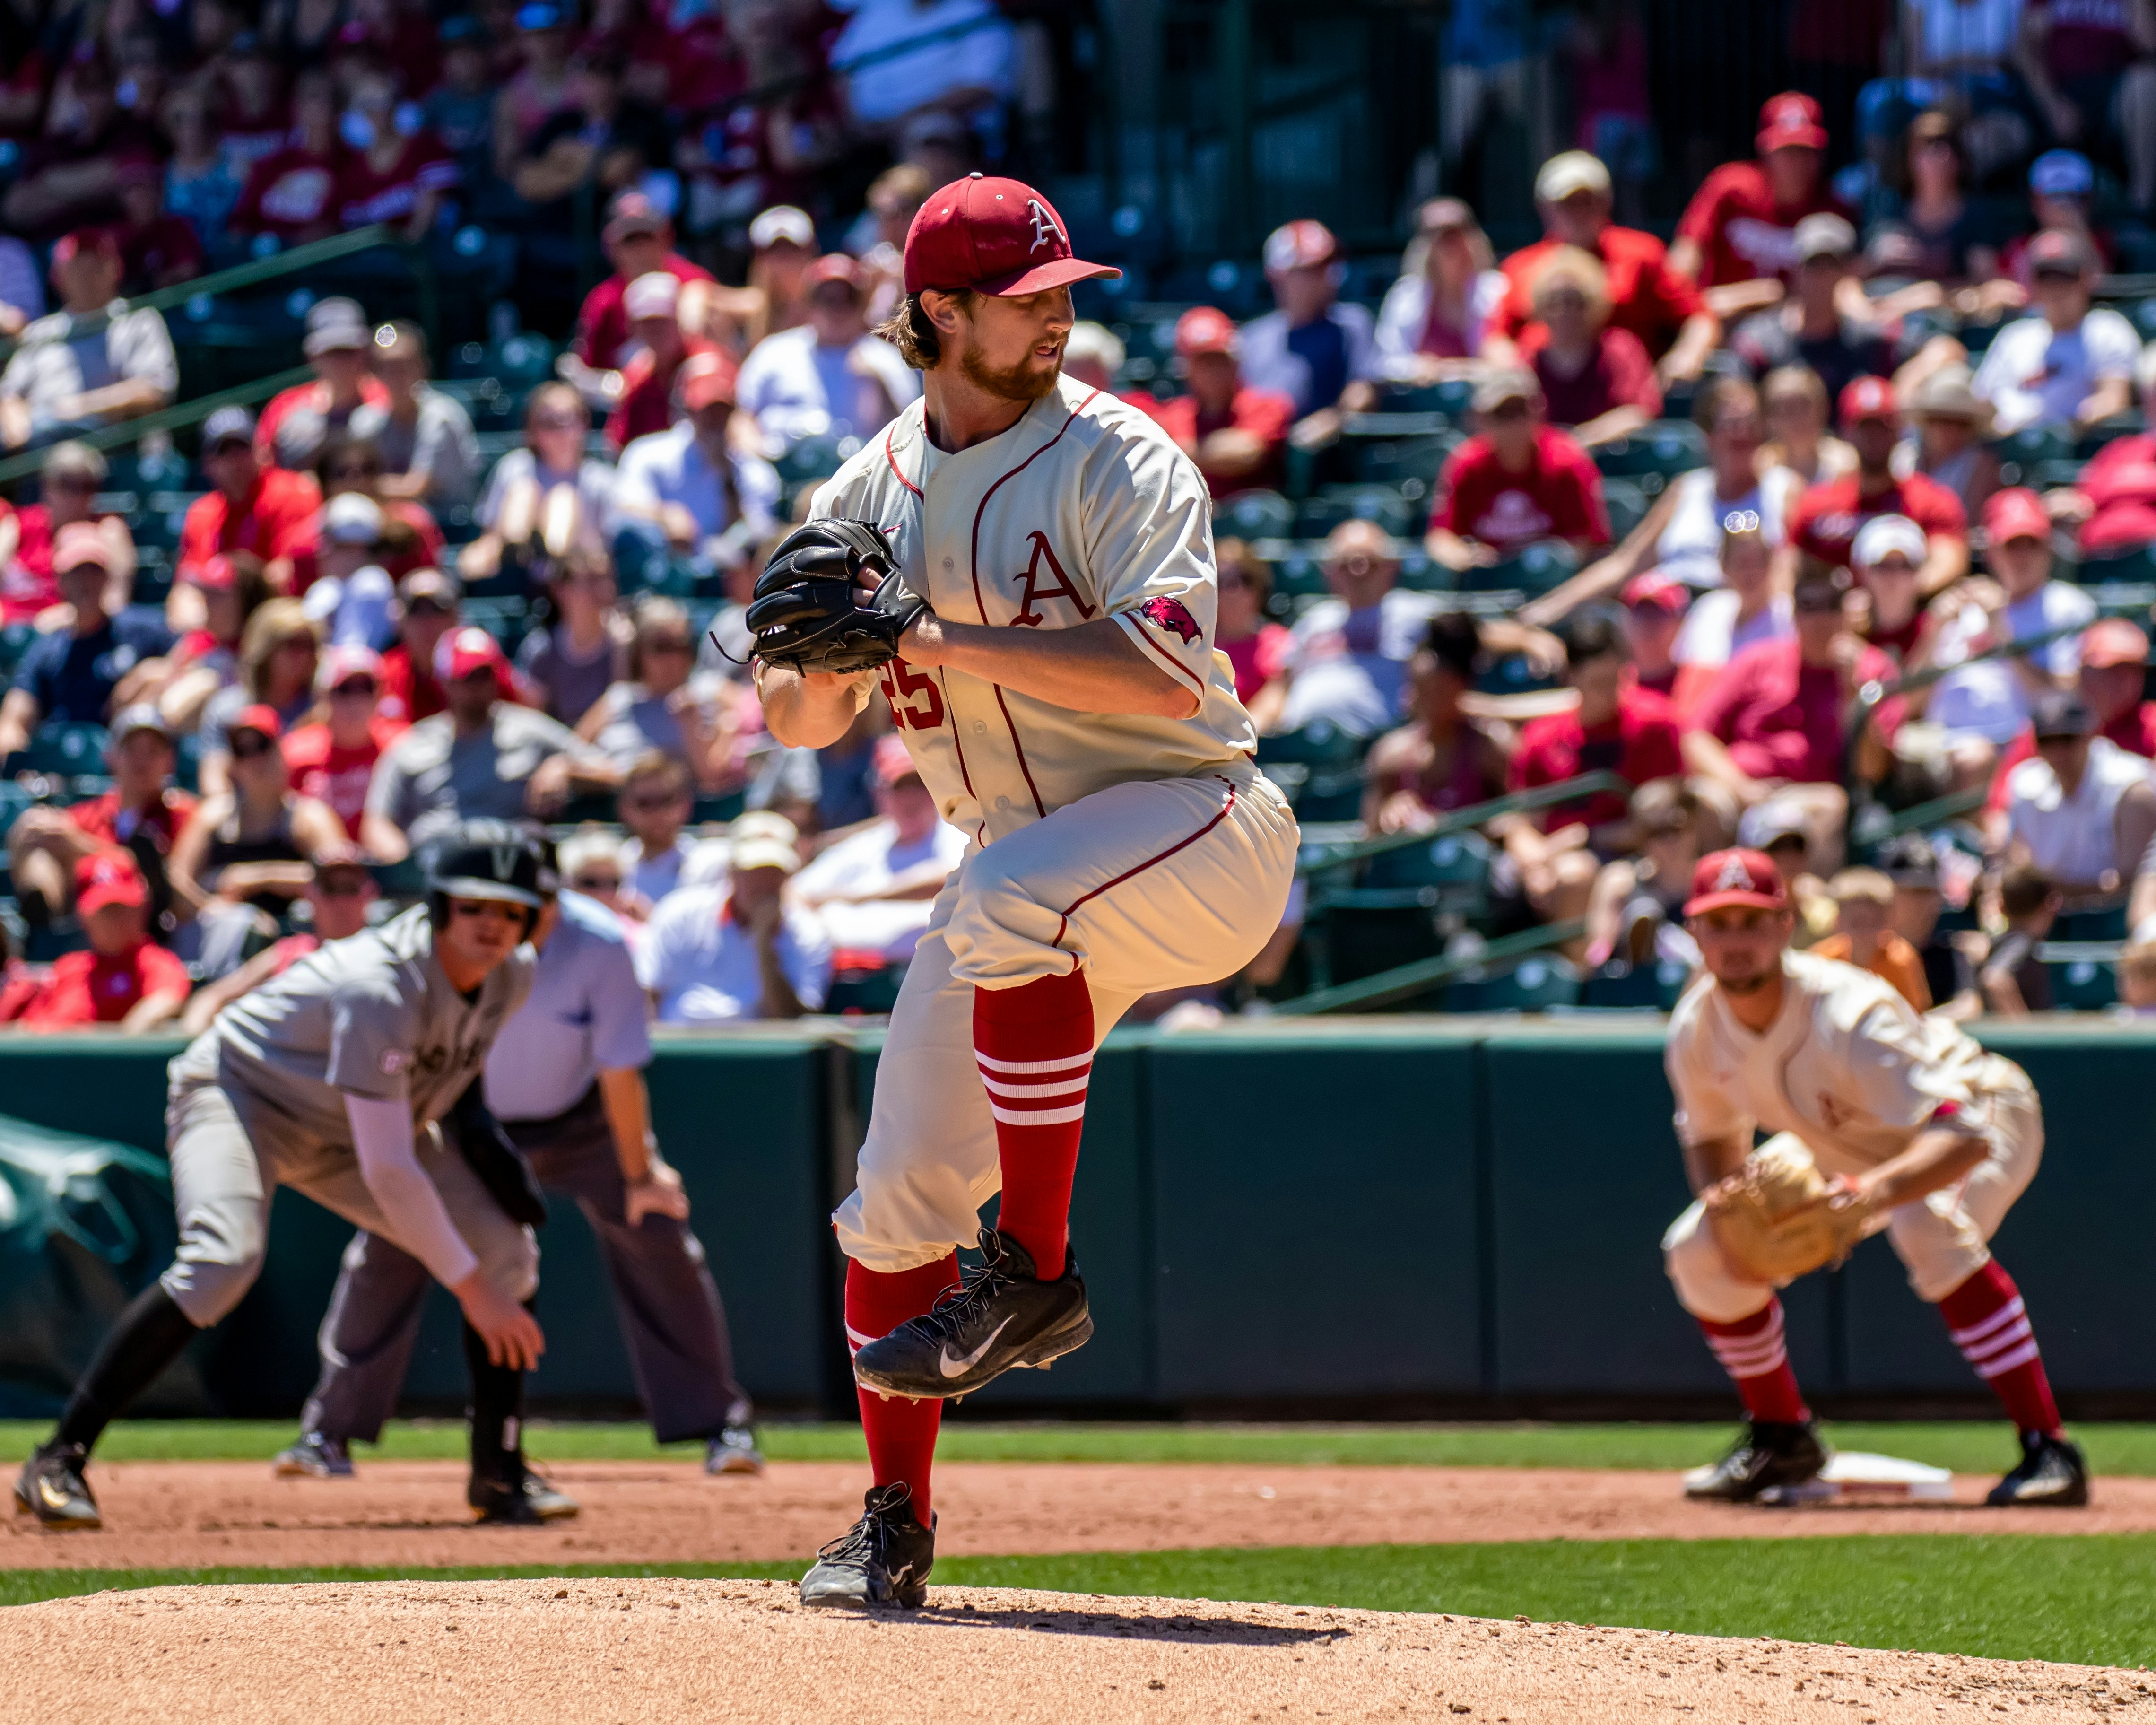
(1027, 617)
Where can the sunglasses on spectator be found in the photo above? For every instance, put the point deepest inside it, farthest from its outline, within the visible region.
(670, 643)
(355, 686)
(428, 608)
(72, 482)
(252, 746)
(1513, 409)
(596, 883)
(654, 800)
(306, 643)
(1821, 602)
(343, 885)
(1233, 584)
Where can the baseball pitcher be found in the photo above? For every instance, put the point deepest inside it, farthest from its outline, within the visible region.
(1026, 564)
(330, 1078)
(1882, 1121)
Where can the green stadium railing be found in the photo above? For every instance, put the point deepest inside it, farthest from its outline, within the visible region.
(1389, 988)
(172, 419)
(1320, 858)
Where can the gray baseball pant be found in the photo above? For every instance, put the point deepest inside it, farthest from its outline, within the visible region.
(664, 1298)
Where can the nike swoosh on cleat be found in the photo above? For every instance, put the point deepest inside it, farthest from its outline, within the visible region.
(56, 1498)
(958, 1368)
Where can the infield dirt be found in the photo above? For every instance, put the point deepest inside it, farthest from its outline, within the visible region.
(410, 1653)
(189, 1515)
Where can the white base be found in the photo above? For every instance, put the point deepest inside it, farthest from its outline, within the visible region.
(1855, 1474)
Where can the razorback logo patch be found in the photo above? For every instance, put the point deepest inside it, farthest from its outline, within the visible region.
(1171, 615)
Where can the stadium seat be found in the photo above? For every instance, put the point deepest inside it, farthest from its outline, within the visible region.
(2089, 926)
(2022, 453)
(1454, 398)
(1388, 458)
(1534, 571)
(1318, 768)
(1665, 448)
(813, 460)
(2083, 985)
(1299, 575)
(1534, 984)
(1448, 875)
(854, 993)
(1381, 504)
(63, 749)
(1360, 940)
(1618, 986)
(505, 618)
(2091, 440)
(1627, 507)
(2136, 563)
(1254, 515)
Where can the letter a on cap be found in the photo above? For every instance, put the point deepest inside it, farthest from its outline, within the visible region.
(1044, 230)
(1734, 873)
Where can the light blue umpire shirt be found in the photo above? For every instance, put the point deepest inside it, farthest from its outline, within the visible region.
(587, 1014)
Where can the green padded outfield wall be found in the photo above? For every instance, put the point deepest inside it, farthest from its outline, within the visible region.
(1390, 1213)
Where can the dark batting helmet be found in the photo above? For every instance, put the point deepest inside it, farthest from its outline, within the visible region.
(488, 860)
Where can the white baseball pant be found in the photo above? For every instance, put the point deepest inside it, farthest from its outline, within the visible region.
(1942, 1238)
(1153, 884)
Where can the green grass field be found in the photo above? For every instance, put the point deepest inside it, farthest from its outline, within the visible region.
(2080, 1599)
(1967, 1447)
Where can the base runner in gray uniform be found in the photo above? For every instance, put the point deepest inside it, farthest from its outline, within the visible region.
(565, 1081)
(330, 1078)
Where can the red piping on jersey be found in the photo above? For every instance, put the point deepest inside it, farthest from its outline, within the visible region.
(1166, 658)
(974, 563)
(1062, 926)
(893, 460)
(965, 777)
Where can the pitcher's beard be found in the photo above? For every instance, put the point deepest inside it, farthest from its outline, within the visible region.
(1751, 984)
(1023, 382)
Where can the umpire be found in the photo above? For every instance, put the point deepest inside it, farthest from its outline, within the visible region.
(566, 1081)
(330, 1078)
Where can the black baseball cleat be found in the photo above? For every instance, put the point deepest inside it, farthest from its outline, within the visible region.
(314, 1457)
(52, 1488)
(520, 1499)
(1768, 1455)
(883, 1559)
(2053, 1474)
(1002, 1315)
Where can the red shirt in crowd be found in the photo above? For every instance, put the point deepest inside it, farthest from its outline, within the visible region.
(426, 553)
(1264, 413)
(1780, 718)
(366, 193)
(159, 252)
(102, 817)
(2087, 38)
(312, 399)
(2120, 484)
(647, 396)
(2133, 730)
(1558, 497)
(1260, 658)
(1742, 233)
(1646, 296)
(1827, 518)
(338, 776)
(603, 323)
(411, 693)
(91, 988)
(27, 586)
(292, 194)
(277, 519)
(1640, 743)
(1619, 375)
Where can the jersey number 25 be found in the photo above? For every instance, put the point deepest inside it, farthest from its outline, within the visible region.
(902, 686)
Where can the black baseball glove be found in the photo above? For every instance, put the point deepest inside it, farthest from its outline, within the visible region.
(809, 612)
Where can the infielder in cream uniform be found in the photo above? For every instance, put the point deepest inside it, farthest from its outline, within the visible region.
(1903, 1110)
(1067, 708)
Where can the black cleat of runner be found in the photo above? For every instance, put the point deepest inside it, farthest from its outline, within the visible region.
(1002, 1315)
(518, 1500)
(52, 1488)
(1766, 1457)
(2052, 1475)
(883, 1559)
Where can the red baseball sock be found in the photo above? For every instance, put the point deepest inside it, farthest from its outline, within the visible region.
(1990, 1325)
(1752, 1352)
(901, 1434)
(1034, 1044)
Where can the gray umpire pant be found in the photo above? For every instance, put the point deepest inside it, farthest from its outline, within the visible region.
(664, 1296)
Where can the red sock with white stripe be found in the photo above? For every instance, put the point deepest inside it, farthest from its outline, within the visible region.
(1990, 1325)
(1753, 1353)
(1034, 1044)
(900, 1434)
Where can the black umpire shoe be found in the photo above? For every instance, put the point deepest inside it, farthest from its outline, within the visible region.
(2052, 1474)
(52, 1488)
(883, 1559)
(1768, 1455)
(1003, 1315)
(519, 1498)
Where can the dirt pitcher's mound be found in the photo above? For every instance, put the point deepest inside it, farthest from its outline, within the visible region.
(181, 1515)
(408, 1653)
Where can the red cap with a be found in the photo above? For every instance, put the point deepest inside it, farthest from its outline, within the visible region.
(1791, 118)
(1655, 591)
(704, 379)
(1866, 398)
(465, 652)
(1736, 877)
(1204, 329)
(108, 877)
(2016, 513)
(994, 236)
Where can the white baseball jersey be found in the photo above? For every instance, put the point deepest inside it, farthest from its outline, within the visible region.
(1848, 1066)
(1084, 509)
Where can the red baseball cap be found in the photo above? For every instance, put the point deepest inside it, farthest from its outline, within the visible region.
(1866, 398)
(994, 236)
(465, 652)
(77, 543)
(108, 877)
(2113, 641)
(1654, 589)
(704, 379)
(893, 762)
(257, 717)
(85, 239)
(2016, 513)
(1736, 877)
(1205, 329)
(1791, 118)
(834, 266)
(1299, 245)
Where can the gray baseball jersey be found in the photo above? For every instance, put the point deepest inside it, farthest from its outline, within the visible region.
(373, 1015)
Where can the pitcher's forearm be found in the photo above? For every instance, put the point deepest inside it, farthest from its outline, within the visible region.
(1095, 668)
